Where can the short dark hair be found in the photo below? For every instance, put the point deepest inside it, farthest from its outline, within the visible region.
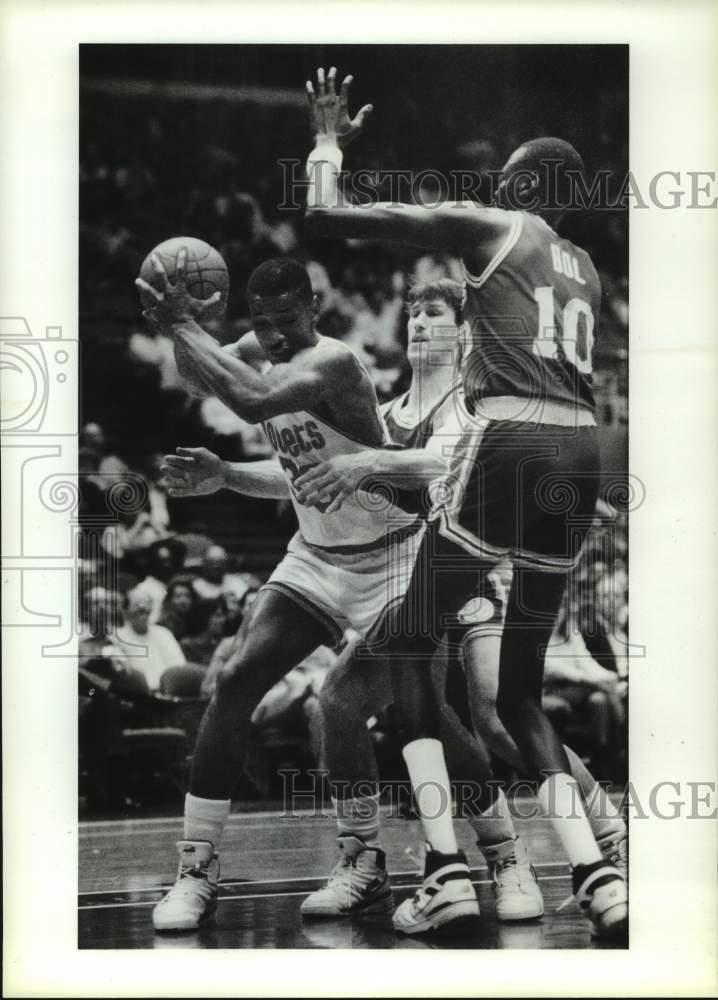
(449, 291)
(279, 276)
(566, 164)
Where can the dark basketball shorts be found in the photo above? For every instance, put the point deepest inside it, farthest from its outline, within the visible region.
(526, 492)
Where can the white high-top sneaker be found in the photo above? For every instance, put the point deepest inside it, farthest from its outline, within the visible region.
(516, 889)
(614, 848)
(192, 900)
(446, 900)
(599, 889)
(358, 884)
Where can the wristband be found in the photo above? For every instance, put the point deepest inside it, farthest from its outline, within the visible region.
(326, 152)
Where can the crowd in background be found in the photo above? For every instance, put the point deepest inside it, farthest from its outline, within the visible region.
(176, 577)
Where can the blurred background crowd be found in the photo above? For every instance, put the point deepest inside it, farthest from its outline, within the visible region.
(188, 140)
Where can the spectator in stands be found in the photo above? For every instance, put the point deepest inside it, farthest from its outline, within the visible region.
(577, 688)
(100, 619)
(251, 441)
(165, 559)
(149, 648)
(131, 536)
(224, 648)
(92, 507)
(157, 495)
(151, 347)
(215, 577)
(234, 608)
(109, 467)
(200, 649)
(180, 608)
(292, 705)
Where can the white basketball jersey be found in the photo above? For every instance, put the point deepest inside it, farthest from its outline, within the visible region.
(302, 440)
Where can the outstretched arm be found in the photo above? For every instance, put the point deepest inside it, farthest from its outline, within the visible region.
(198, 471)
(408, 469)
(340, 477)
(459, 226)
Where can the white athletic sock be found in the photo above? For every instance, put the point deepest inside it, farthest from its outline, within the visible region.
(205, 819)
(358, 817)
(430, 782)
(602, 814)
(495, 825)
(560, 799)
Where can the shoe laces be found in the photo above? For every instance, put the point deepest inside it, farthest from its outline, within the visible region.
(509, 871)
(614, 849)
(192, 882)
(346, 874)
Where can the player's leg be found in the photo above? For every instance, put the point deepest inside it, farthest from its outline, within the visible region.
(480, 657)
(533, 606)
(537, 495)
(515, 885)
(354, 690)
(277, 635)
(446, 899)
(439, 586)
(359, 884)
(481, 665)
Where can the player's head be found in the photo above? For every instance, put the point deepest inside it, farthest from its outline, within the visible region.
(539, 177)
(283, 307)
(436, 317)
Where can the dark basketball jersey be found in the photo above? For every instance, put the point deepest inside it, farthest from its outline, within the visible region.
(403, 433)
(532, 314)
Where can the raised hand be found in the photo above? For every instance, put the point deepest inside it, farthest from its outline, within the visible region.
(172, 303)
(329, 110)
(192, 472)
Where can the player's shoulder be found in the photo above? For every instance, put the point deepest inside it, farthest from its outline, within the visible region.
(568, 258)
(336, 359)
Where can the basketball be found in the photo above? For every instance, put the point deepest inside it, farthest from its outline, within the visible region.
(206, 271)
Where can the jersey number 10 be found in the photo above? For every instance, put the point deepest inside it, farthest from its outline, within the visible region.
(572, 340)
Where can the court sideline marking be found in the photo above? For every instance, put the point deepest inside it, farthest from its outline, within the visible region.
(285, 881)
(291, 892)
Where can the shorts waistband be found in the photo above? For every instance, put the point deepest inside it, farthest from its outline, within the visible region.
(536, 411)
(391, 538)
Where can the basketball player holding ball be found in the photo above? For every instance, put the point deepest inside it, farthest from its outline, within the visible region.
(345, 567)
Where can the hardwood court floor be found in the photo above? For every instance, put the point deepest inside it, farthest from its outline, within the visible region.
(270, 863)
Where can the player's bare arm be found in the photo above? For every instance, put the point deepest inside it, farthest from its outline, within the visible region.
(309, 379)
(462, 226)
(408, 468)
(197, 472)
(341, 476)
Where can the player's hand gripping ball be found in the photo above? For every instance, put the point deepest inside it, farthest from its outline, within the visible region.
(183, 278)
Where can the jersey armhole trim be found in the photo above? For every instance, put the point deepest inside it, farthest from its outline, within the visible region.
(500, 255)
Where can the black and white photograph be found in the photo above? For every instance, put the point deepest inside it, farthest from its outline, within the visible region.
(367, 604)
(352, 637)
